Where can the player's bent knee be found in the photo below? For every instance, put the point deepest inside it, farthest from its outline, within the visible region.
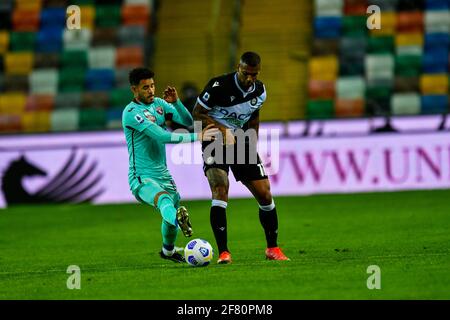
(158, 196)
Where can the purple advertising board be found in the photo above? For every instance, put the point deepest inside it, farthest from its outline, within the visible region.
(74, 167)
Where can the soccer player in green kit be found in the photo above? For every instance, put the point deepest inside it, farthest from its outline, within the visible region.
(150, 181)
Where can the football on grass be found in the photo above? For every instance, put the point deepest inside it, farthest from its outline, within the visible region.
(198, 253)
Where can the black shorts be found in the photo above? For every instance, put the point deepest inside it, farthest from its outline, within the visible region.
(246, 166)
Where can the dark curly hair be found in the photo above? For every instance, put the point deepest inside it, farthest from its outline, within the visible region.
(251, 59)
(138, 74)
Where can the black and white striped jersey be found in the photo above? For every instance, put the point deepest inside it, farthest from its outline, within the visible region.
(228, 103)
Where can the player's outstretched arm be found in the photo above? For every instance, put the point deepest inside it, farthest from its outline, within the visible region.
(163, 136)
(181, 115)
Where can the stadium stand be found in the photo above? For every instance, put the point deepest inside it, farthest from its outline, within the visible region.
(56, 79)
(401, 68)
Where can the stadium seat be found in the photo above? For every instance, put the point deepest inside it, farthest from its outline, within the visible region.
(416, 50)
(381, 44)
(354, 25)
(49, 40)
(323, 68)
(351, 67)
(437, 40)
(99, 79)
(64, 120)
(320, 109)
(129, 57)
(105, 37)
(355, 7)
(435, 60)
(102, 57)
(406, 84)
(437, 21)
(87, 18)
(68, 100)
(321, 89)
(22, 41)
(16, 83)
(410, 21)
(77, 39)
(437, 5)
(95, 100)
(108, 16)
(6, 8)
(131, 35)
(327, 27)
(119, 98)
(434, 84)
(405, 103)
(385, 5)
(26, 20)
(324, 8)
(409, 39)
(18, 63)
(53, 18)
(135, 15)
(12, 102)
(92, 119)
(408, 5)
(121, 78)
(40, 103)
(4, 41)
(353, 47)
(71, 79)
(114, 118)
(46, 60)
(35, 121)
(379, 66)
(408, 65)
(378, 106)
(44, 81)
(323, 47)
(2, 64)
(74, 59)
(350, 88)
(378, 89)
(346, 108)
(388, 25)
(434, 104)
(27, 4)
(2, 82)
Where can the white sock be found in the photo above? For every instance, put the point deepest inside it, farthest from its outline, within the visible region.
(167, 252)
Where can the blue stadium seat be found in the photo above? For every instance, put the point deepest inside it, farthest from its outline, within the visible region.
(432, 104)
(49, 40)
(435, 60)
(436, 40)
(327, 27)
(53, 18)
(437, 4)
(100, 79)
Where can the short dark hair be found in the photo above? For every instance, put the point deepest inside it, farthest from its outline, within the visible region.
(251, 59)
(138, 74)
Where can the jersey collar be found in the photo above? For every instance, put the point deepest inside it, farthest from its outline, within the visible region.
(245, 93)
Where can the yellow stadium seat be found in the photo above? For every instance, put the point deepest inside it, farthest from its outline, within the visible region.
(409, 39)
(87, 17)
(388, 24)
(434, 84)
(20, 63)
(4, 41)
(12, 102)
(27, 4)
(36, 121)
(323, 68)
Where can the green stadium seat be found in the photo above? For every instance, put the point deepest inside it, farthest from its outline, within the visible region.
(108, 16)
(92, 119)
(71, 79)
(120, 97)
(405, 103)
(381, 44)
(380, 91)
(320, 109)
(22, 41)
(74, 59)
(408, 65)
(64, 120)
(354, 25)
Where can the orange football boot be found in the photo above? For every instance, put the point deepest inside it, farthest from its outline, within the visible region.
(275, 254)
(224, 258)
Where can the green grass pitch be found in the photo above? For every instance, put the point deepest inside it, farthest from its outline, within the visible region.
(331, 240)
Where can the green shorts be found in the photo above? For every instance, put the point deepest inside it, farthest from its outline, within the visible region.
(150, 188)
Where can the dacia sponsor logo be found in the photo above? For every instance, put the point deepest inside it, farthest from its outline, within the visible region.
(233, 115)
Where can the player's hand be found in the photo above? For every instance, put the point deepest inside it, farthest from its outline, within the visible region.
(170, 94)
(209, 133)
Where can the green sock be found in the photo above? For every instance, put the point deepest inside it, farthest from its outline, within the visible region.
(168, 211)
(169, 235)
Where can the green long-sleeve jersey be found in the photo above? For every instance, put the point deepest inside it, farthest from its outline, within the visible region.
(144, 128)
